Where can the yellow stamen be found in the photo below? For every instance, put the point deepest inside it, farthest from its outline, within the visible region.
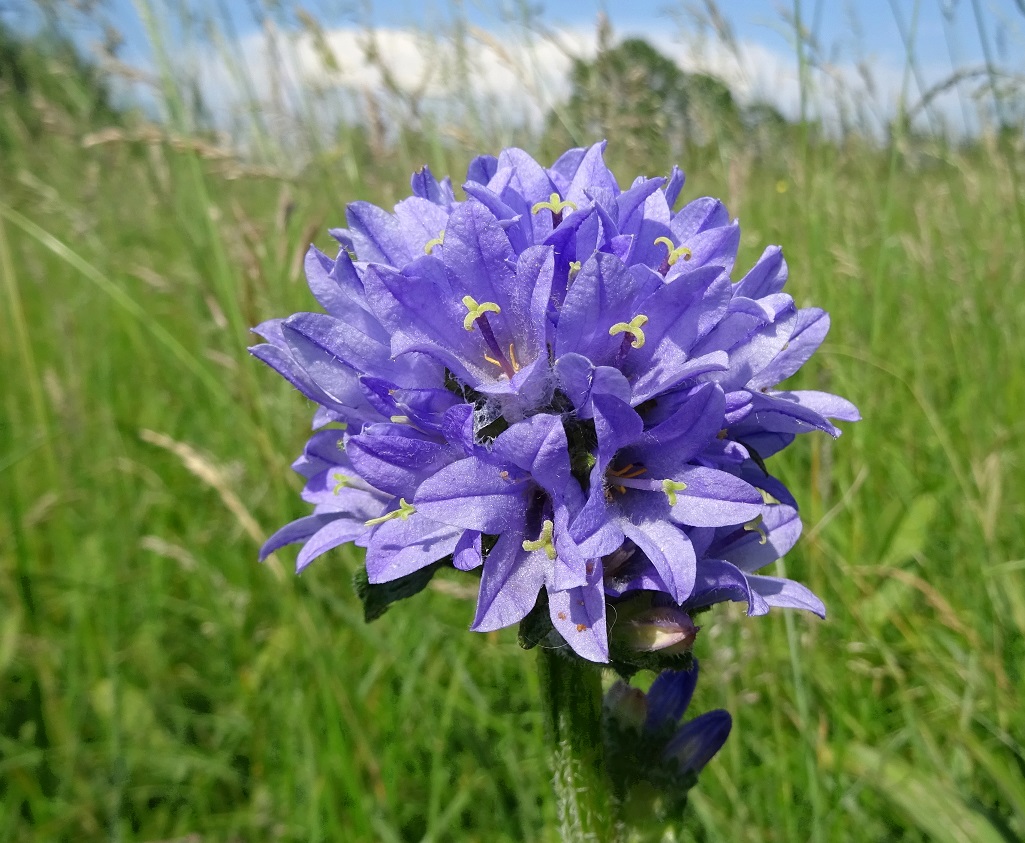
(403, 512)
(554, 204)
(437, 241)
(629, 472)
(675, 252)
(341, 481)
(512, 358)
(477, 310)
(574, 268)
(671, 487)
(632, 327)
(755, 526)
(543, 541)
(400, 419)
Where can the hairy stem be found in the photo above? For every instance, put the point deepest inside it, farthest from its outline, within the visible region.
(572, 697)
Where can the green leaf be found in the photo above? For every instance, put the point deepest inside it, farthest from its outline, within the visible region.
(378, 597)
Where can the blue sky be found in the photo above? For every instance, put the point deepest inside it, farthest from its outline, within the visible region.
(856, 39)
(763, 21)
(946, 30)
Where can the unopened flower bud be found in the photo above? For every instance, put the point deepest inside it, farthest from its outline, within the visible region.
(663, 628)
(697, 741)
(626, 705)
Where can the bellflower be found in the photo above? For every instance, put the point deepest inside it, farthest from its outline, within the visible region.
(554, 383)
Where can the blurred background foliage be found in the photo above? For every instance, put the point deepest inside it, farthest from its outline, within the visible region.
(156, 683)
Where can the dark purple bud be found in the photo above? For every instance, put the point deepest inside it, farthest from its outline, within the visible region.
(694, 745)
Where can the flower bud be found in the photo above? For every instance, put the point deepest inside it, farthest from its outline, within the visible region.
(696, 742)
(663, 628)
(626, 706)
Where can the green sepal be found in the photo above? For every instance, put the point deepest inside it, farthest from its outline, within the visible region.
(537, 625)
(378, 597)
(627, 662)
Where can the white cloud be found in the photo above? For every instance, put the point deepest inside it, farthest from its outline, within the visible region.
(513, 77)
(501, 78)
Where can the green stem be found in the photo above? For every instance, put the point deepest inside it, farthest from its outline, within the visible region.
(571, 695)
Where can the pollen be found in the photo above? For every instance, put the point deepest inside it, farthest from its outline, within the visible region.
(437, 241)
(633, 327)
(554, 204)
(671, 487)
(476, 311)
(675, 252)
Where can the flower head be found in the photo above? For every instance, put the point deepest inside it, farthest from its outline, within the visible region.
(555, 383)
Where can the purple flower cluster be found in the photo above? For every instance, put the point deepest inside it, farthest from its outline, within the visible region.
(555, 382)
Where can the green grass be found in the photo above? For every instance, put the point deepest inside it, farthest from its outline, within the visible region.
(156, 682)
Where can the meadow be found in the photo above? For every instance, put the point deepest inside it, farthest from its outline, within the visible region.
(157, 683)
